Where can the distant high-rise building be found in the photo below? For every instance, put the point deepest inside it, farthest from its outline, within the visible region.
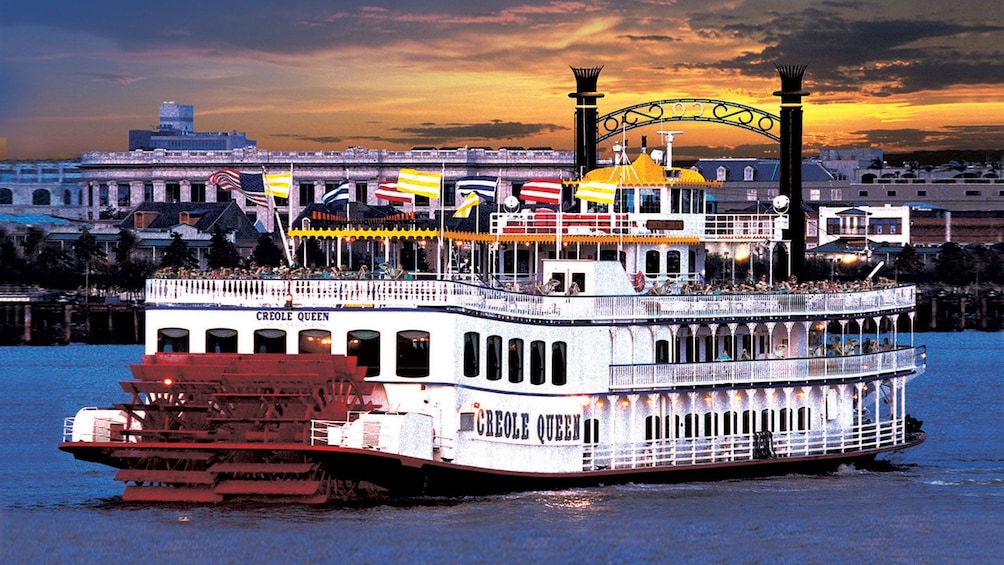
(176, 132)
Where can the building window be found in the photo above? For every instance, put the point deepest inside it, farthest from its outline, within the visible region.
(494, 346)
(558, 363)
(315, 341)
(814, 194)
(472, 354)
(221, 340)
(103, 195)
(467, 421)
(172, 340)
(924, 193)
(40, 197)
(721, 173)
(269, 341)
(748, 172)
(67, 197)
(538, 353)
(148, 192)
(223, 195)
(306, 193)
(972, 193)
(172, 192)
(360, 191)
(198, 192)
(515, 360)
(364, 345)
(7, 196)
(863, 193)
(413, 353)
(836, 194)
(890, 193)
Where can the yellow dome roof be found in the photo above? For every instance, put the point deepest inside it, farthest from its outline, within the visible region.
(643, 171)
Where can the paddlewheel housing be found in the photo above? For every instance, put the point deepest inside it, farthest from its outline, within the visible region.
(212, 427)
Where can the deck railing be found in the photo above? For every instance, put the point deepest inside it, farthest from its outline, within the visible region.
(662, 375)
(340, 293)
(727, 449)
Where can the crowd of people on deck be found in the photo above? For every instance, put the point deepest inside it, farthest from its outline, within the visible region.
(384, 271)
(791, 285)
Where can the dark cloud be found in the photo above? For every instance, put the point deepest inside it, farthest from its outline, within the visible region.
(493, 130)
(322, 139)
(119, 78)
(873, 56)
(651, 38)
(990, 137)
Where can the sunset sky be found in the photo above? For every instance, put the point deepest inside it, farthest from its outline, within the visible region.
(301, 75)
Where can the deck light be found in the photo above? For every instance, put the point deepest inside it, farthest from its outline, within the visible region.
(289, 300)
(168, 381)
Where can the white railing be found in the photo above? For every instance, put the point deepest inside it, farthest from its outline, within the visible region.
(68, 428)
(336, 293)
(727, 449)
(649, 375)
(739, 227)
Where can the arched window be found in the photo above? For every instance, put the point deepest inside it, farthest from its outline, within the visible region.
(221, 340)
(172, 340)
(515, 360)
(269, 341)
(804, 418)
(537, 360)
(690, 425)
(315, 341)
(652, 263)
(41, 197)
(653, 428)
(766, 420)
(558, 363)
(672, 262)
(67, 197)
(364, 345)
(710, 424)
(721, 173)
(784, 416)
(413, 353)
(494, 346)
(749, 421)
(591, 431)
(729, 423)
(662, 351)
(6, 196)
(748, 172)
(472, 354)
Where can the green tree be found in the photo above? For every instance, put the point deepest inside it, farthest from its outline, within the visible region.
(222, 251)
(13, 264)
(909, 264)
(53, 268)
(267, 253)
(178, 255)
(125, 246)
(315, 255)
(953, 264)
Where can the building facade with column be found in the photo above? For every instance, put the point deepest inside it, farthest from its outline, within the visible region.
(122, 181)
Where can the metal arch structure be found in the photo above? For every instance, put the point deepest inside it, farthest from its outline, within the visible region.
(688, 110)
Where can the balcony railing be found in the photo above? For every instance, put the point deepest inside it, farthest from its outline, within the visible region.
(738, 448)
(336, 293)
(652, 376)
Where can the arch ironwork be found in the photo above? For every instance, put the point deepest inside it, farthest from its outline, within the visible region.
(688, 110)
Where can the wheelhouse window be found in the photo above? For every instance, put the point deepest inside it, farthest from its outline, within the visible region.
(516, 360)
(559, 363)
(221, 340)
(172, 340)
(364, 345)
(269, 341)
(672, 262)
(472, 354)
(538, 352)
(494, 346)
(653, 428)
(413, 353)
(315, 341)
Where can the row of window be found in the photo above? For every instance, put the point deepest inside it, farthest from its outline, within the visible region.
(411, 346)
(713, 424)
(511, 361)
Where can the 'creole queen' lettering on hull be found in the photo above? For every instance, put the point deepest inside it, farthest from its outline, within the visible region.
(289, 316)
(550, 428)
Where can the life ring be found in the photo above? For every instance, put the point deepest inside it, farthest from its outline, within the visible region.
(639, 281)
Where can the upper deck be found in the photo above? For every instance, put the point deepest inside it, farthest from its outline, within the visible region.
(480, 300)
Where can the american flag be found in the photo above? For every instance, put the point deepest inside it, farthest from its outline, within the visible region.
(388, 191)
(543, 191)
(248, 184)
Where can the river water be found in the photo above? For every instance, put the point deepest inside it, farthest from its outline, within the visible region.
(941, 502)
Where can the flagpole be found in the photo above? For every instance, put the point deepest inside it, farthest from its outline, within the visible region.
(442, 223)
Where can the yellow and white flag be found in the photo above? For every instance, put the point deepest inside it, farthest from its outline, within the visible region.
(420, 183)
(596, 191)
(469, 203)
(278, 184)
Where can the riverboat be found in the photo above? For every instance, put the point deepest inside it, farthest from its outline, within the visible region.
(547, 348)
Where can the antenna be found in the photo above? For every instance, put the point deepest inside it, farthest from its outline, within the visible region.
(669, 135)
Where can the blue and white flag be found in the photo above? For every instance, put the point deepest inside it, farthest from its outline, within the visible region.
(484, 187)
(340, 194)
